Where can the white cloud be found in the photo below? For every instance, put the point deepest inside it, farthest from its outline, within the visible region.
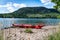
(6, 5)
(19, 5)
(0, 5)
(11, 9)
(45, 2)
(12, 6)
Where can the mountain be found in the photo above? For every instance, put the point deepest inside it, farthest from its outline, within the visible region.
(32, 12)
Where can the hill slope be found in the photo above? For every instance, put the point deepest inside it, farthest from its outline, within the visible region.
(35, 10)
(32, 12)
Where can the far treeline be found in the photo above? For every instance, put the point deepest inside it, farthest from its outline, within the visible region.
(32, 12)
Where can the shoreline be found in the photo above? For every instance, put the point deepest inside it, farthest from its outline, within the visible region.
(18, 33)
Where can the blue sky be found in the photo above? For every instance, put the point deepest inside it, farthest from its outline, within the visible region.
(7, 6)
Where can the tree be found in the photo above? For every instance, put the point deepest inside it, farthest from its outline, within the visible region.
(57, 2)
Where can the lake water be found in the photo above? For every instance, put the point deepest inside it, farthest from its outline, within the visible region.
(7, 22)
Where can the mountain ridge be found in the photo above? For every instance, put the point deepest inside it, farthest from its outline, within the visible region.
(32, 12)
(36, 9)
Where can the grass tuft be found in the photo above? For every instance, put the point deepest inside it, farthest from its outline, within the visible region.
(28, 31)
(56, 36)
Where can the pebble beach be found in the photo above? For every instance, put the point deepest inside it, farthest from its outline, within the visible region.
(38, 34)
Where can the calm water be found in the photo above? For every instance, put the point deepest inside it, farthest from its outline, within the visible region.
(7, 22)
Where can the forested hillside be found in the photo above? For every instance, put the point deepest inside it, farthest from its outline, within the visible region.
(32, 12)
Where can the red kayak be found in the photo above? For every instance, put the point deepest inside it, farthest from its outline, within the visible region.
(22, 25)
(37, 26)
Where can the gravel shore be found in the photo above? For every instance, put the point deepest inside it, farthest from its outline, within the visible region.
(38, 34)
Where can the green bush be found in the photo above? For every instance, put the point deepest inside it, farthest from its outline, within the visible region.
(28, 31)
(56, 36)
(1, 38)
(58, 16)
(1, 35)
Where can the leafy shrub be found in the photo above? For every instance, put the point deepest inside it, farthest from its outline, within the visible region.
(54, 37)
(58, 16)
(28, 31)
(1, 35)
(1, 38)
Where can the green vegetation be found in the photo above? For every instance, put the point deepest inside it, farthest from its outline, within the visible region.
(51, 15)
(1, 38)
(58, 16)
(56, 36)
(32, 12)
(57, 6)
(1, 35)
(28, 31)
